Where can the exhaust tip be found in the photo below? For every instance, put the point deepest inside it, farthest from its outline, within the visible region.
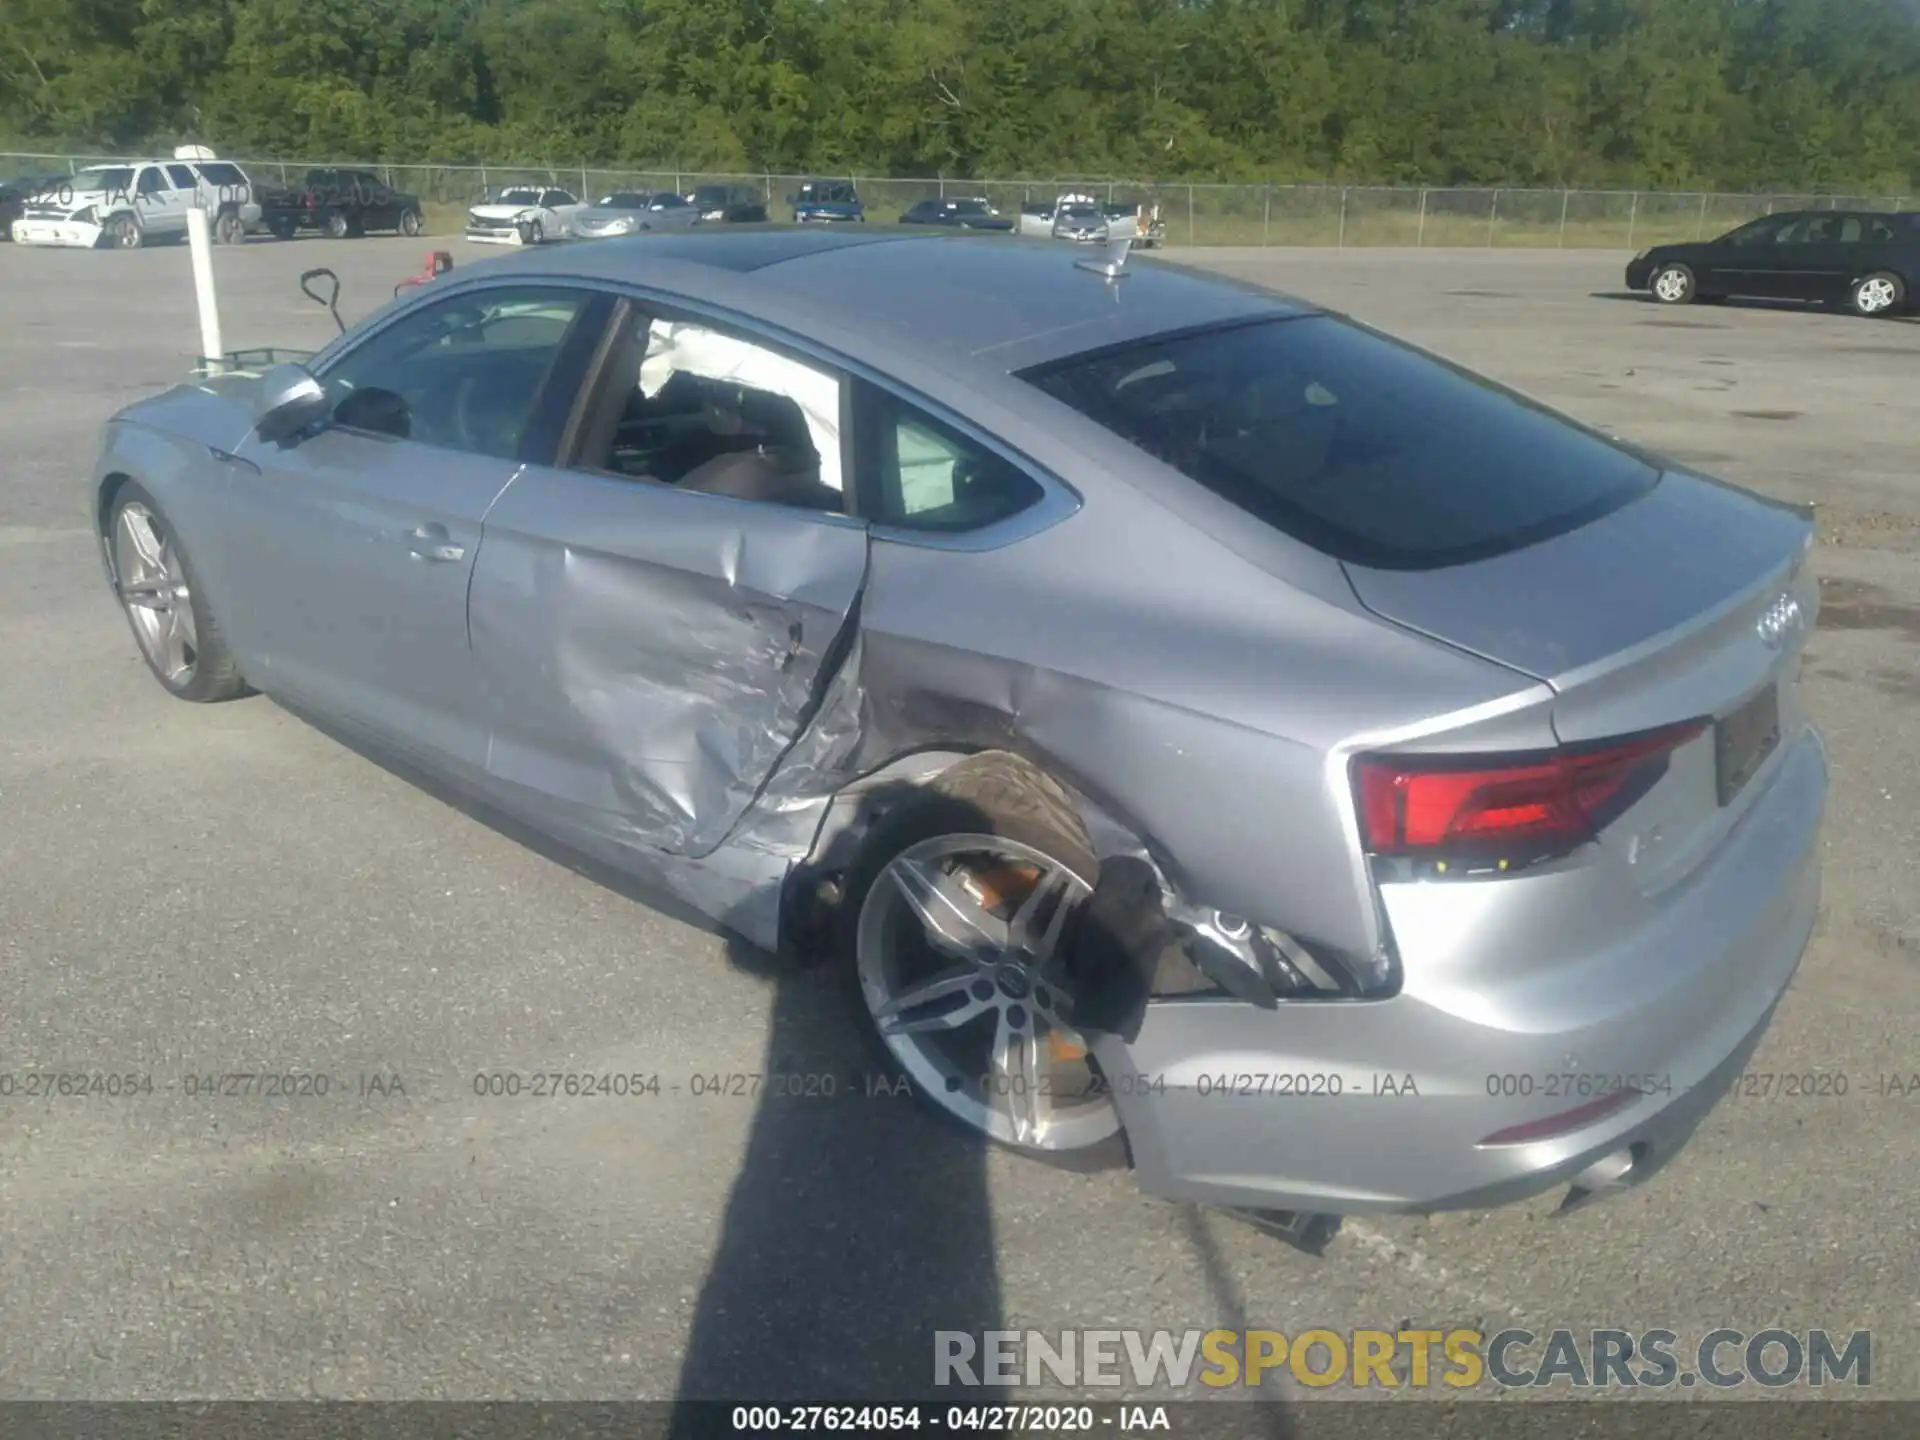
(1616, 1170)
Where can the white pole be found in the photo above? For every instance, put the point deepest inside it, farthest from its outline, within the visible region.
(200, 242)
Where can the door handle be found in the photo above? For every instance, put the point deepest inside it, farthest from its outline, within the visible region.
(429, 542)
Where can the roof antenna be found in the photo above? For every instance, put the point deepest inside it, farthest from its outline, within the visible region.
(1113, 262)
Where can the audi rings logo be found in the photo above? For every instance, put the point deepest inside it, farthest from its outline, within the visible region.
(1780, 622)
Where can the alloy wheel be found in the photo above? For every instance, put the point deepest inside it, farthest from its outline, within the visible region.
(153, 587)
(1875, 295)
(1672, 285)
(957, 954)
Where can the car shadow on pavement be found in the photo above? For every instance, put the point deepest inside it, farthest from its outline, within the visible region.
(1746, 302)
(857, 1226)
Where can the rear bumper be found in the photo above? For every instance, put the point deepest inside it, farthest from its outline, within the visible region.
(65, 233)
(1401, 1095)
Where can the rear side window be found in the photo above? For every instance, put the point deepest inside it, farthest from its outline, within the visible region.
(1362, 447)
(922, 474)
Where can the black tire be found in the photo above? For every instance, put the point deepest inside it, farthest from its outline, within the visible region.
(991, 794)
(536, 233)
(1679, 288)
(215, 676)
(1866, 300)
(124, 233)
(411, 223)
(337, 225)
(283, 229)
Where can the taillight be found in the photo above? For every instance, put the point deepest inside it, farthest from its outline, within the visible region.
(1521, 806)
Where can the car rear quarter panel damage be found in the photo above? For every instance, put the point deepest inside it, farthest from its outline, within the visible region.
(1194, 700)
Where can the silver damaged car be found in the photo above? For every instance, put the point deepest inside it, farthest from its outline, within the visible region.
(1207, 733)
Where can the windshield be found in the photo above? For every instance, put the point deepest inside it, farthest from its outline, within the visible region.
(519, 196)
(1362, 447)
(106, 177)
(624, 200)
(1080, 212)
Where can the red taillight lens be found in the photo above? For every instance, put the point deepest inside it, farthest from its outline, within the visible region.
(1411, 804)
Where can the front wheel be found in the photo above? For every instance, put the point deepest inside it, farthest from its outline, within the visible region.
(954, 926)
(410, 223)
(124, 233)
(338, 226)
(1673, 285)
(1881, 293)
(229, 229)
(177, 633)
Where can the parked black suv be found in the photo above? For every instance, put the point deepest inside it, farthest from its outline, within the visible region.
(730, 204)
(341, 202)
(1867, 261)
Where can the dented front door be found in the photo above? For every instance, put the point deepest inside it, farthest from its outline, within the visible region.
(648, 654)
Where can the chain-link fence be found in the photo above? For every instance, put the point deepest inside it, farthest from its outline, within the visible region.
(1196, 214)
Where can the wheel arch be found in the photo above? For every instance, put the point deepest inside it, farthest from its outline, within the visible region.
(106, 493)
(854, 809)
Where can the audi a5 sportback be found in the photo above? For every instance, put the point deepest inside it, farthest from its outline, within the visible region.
(1202, 728)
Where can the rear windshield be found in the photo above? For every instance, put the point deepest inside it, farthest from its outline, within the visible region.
(1362, 447)
(219, 172)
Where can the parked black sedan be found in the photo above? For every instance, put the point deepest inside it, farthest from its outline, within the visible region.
(729, 204)
(968, 214)
(1867, 261)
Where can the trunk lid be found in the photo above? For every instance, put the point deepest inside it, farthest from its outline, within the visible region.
(1690, 602)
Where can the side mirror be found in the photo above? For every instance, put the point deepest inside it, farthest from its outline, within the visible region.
(380, 412)
(289, 399)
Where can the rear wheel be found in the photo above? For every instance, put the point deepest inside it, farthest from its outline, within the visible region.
(411, 223)
(952, 929)
(283, 229)
(177, 633)
(338, 226)
(1673, 285)
(1881, 293)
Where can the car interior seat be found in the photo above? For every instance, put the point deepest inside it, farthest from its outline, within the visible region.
(779, 467)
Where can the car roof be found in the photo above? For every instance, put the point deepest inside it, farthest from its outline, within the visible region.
(990, 304)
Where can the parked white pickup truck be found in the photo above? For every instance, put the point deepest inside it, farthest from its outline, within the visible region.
(130, 203)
